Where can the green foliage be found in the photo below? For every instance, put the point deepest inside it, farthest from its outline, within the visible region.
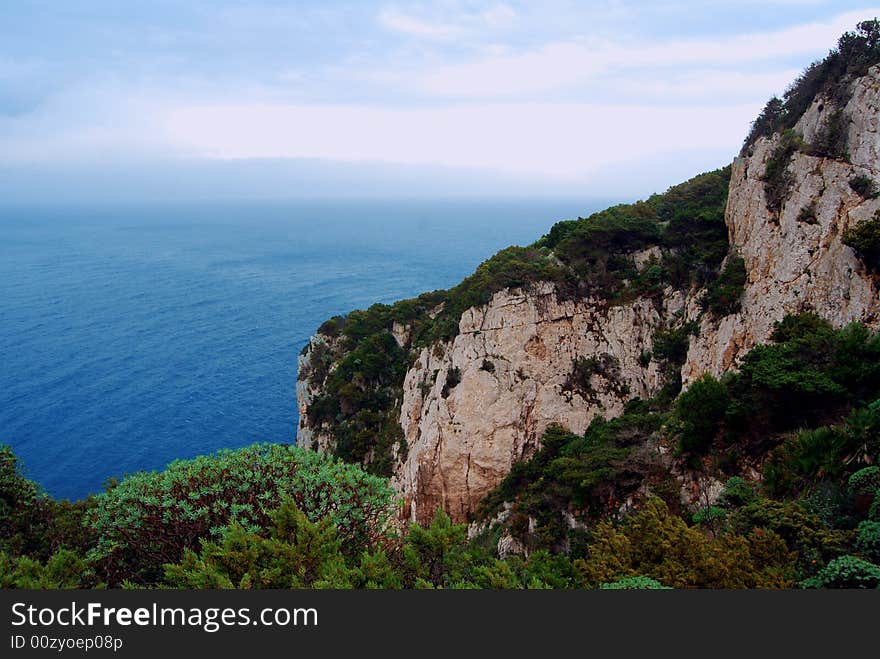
(63, 570)
(150, 519)
(700, 413)
(737, 492)
(864, 186)
(670, 346)
(590, 475)
(810, 374)
(801, 530)
(868, 540)
(295, 553)
(777, 178)
(723, 295)
(808, 214)
(453, 379)
(580, 379)
(488, 366)
(32, 524)
(865, 481)
(846, 572)
(830, 78)
(864, 238)
(634, 583)
(829, 452)
(659, 545)
(432, 554)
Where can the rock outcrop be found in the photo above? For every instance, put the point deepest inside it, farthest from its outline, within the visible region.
(795, 264)
(474, 406)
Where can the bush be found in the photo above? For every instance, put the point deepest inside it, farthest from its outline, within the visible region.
(868, 540)
(700, 413)
(808, 214)
(634, 583)
(453, 379)
(846, 572)
(33, 524)
(864, 186)
(724, 294)
(864, 238)
(63, 570)
(659, 545)
(777, 179)
(829, 452)
(434, 553)
(150, 519)
(294, 553)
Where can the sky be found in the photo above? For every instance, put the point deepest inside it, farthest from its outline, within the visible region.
(162, 100)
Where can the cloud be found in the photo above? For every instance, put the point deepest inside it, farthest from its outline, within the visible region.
(398, 22)
(562, 141)
(570, 64)
(449, 24)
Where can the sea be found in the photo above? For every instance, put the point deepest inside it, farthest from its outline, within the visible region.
(133, 335)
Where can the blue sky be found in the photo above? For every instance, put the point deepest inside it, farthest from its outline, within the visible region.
(109, 99)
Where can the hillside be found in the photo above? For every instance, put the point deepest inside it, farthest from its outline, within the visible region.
(446, 392)
(681, 392)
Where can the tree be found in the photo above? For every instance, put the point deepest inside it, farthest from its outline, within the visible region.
(296, 553)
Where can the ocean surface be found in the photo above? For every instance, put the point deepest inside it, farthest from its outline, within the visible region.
(133, 335)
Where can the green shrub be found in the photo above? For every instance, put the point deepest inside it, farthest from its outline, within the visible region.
(634, 583)
(865, 481)
(435, 553)
(33, 524)
(808, 214)
(829, 452)
(830, 78)
(737, 492)
(149, 519)
(453, 379)
(846, 572)
(831, 138)
(700, 414)
(864, 238)
(659, 545)
(777, 178)
(63, 570)
(295, 552)
(864, 186)
(487, 366)
(868, 540)
(723, 296)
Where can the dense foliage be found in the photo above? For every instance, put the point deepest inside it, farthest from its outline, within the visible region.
(598, 510)
(150, 519)
(864, 238)
(806, 407)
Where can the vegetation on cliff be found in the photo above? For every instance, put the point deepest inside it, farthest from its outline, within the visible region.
(829, 79)
(358, 371)
(784, 450)
(829, 82)
(804, 409)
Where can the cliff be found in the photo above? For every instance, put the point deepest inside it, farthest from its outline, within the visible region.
(445, 395)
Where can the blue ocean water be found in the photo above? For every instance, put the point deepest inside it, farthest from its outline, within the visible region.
(134, 335)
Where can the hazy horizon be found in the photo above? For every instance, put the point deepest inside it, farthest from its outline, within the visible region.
(276, 100)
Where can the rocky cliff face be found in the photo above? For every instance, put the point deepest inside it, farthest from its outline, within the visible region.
(795, 260)
(516, 358)
(472, 407)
